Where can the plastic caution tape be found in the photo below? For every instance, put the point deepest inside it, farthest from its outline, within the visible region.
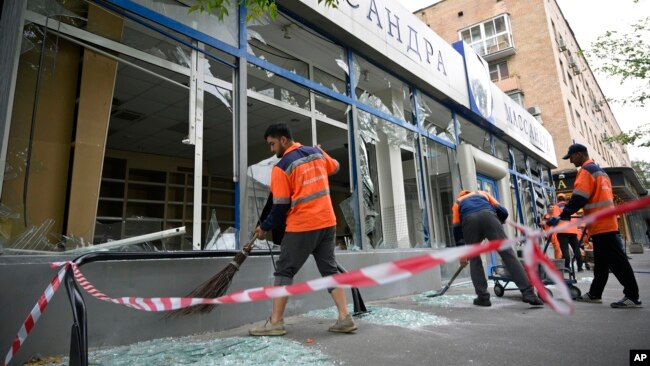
(369, 276)
(36, 312)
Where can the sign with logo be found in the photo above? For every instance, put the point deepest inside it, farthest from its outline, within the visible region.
(400, 36)
(479, 84)
(489, 102)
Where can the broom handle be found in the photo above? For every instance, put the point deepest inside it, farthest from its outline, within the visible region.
(246, 249)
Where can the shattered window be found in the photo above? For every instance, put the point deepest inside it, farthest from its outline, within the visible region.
(435, 118)
(292, 43)
(392, 207)
(96, 154)
(440, 160)
(381, 90)
(225, 30)
(474, 135)
(526, 200)
(270, 85)
(111, 26)
(501, 149)
(331, 108)
(216, 68)
(520, 162)
(281, 58)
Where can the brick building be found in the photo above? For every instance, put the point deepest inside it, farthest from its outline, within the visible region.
(535, 58)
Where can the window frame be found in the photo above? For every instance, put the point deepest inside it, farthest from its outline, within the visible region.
(483, 40)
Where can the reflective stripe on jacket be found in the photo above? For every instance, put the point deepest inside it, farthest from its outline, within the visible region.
(300, 180)
(593, 186)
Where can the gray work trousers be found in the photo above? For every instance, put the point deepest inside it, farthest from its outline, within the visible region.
(485, 225)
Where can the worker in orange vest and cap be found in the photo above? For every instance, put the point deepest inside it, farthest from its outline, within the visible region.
(550, 212)
(592, 191)
(568, 237)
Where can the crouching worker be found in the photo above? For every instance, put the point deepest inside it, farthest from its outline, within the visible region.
(301, 200)
(474, 219)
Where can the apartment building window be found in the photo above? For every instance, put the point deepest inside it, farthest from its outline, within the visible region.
(554, 31)
(562, 72)
(499, 71)
(578, 95)
(579, 120)
(490, 36)
(517, 96)
(573, 89)
(573, 121)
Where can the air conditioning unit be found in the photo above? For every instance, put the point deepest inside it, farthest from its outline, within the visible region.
(576, 70)
(561, 45)
(535, 110)
(596, 108)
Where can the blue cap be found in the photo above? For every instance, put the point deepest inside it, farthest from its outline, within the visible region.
(574, 149)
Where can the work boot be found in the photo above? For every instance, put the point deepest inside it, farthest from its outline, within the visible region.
(344, 326)
(482, 301)
(269, 329)
(530, 297)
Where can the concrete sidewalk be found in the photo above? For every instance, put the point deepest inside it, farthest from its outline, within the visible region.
(416, 330)
(508, 333)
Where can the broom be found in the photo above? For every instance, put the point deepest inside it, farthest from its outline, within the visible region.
(444, 289)
(216, 286)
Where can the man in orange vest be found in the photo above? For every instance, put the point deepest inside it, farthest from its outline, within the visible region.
(301, 200)
(592, 191)
(567, 237)
(550, 212)
(478, 216)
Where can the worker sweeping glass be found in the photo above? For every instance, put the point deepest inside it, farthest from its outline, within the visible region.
(301, 201)
(477, 216)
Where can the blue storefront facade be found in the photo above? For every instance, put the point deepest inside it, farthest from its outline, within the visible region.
(126, 118)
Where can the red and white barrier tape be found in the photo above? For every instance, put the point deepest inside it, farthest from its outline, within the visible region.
(36, 312)
(369, 276)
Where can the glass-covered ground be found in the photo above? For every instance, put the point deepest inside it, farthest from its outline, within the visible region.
(217, 351)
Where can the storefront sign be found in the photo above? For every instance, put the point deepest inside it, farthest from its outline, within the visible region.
(522, 126)
(391, 29)
(489, 102)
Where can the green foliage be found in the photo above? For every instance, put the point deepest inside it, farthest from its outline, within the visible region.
(642, 168)
(256, 8)
(627, 56)
(636, 137)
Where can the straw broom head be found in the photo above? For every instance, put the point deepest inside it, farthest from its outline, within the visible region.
(216, 286)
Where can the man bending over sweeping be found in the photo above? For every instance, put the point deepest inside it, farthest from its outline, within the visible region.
(301, 199)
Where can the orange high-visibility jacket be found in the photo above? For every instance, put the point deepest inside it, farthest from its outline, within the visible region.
(467, 204)
(557, 210)
(556, 244)
(300, 188)
(592, 192)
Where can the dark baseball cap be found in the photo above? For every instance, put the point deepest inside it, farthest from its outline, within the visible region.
(574, 149)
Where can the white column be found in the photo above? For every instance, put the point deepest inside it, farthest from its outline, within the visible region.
(391, 194)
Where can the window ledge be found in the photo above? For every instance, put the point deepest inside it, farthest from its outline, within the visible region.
(509, 84)
(500, 54)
